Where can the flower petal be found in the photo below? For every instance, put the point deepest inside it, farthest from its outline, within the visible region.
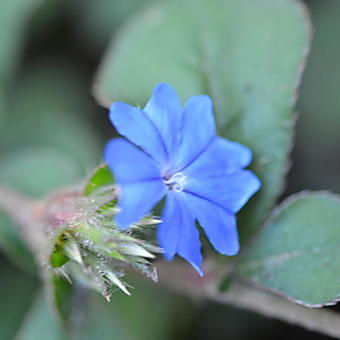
(229, 191)
(141, 184)
(198, 130)
(178, 234)
(137, 127)
(136, 200)
(128, 163)
(223, 157)
(164, 110)
(218, 224)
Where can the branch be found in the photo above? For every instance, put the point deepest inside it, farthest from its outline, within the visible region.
(249, 297)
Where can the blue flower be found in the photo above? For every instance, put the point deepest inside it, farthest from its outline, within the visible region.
(174, 152)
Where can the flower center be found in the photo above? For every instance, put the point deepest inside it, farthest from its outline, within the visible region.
(176, 182)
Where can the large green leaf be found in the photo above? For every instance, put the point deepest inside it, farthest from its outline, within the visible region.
(298, 252)
(246, 54)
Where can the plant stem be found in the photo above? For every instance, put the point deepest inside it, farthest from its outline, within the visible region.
(244, 295)
(20, 209)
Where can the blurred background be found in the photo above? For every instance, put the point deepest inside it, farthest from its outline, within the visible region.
(57, 131)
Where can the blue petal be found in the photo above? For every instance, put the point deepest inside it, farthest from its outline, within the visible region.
(218, 224)
(223, 156)
(229, 191)
(198, 130)
(141, 184)
(136, 200)
(136, 126)
(177, 234)
(164, 110)
(128, 163)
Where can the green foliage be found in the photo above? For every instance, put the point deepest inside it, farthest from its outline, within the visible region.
(14, 16)
(63, 298)
(100, 177)
(34, 159)
(38, 170)
(46, 103)
(298, 253)
(99, 20)
(14, 246)
(58, 256)
(316, 165)
(246, 55)
(151, 312)
(91, 246)
(147, 314)
(40, 323)
(15, 299)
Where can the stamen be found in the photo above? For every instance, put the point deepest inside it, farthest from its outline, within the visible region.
(176, 182)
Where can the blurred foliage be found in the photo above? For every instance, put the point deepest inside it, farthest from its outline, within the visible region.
(96, 23)
(16, 294)
(48, 142)
(15, 247)
(51, 135)
(316, 165)
(14, 16)
(148, 314)
(40, 321)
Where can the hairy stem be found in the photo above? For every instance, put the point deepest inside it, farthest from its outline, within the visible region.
(244, 295)
(21, 210)
(11, 203)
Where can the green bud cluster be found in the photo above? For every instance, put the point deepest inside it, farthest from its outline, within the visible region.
(86, 244)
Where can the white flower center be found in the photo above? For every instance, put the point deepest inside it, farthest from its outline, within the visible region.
(176, 182)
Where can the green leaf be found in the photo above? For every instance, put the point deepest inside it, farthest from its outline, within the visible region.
(58, 258)
(100, 177)
(298, 252)
(62, 294)
(247, 55)
(14, 15)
